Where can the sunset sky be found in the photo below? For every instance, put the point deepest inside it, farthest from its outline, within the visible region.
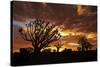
(71, 20)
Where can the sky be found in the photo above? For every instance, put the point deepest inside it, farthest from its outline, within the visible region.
(70, 18)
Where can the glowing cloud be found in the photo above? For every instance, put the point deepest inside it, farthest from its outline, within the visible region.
(81, 10)
(74, 44)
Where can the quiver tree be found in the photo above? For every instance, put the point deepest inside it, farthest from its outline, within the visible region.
(85, 45)
(58, 46)
(40, 33)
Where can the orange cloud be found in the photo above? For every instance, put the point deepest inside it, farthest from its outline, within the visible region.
(82, 10)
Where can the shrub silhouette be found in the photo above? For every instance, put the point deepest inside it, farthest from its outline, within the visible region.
(40, 33)
(65, 50)
(47, 50)
(54, 50)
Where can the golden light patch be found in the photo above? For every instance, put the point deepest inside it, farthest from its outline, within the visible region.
(63, 33)
(91, 35)
(81, 10)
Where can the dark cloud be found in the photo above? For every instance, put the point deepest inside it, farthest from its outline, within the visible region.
(80, 17)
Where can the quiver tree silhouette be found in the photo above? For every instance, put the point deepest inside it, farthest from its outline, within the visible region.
(58, 46)
(88, 46)
(85, 45)
(40, 33)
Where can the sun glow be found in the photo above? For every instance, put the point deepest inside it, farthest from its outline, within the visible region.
(68, 32)
(91, 35)
(64, 33)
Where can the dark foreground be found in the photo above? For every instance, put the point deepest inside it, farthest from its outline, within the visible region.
(19, 59)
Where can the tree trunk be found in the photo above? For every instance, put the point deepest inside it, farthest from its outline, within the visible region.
(57, 49)
(36, 49)
(83, 49)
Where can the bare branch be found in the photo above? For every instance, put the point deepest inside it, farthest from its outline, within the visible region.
(40, 33)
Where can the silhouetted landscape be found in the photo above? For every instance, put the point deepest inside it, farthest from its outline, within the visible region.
(48, 33)
(67, 56)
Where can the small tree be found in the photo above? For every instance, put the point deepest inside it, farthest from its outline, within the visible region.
(40, 34)
(88, 46)
(85, 45)
(58, 46)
